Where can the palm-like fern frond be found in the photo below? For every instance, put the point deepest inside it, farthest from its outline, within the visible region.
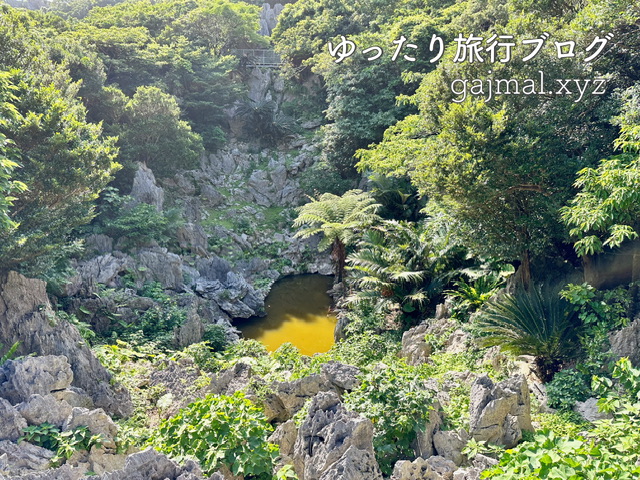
(534, 322)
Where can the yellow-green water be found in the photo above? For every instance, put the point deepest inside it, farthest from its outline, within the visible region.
(297, 312)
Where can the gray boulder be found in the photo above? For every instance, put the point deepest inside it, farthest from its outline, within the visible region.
(145, 190)
(97, 420)
(340, 375)
(449, 444)
(499, 413)
(39, 409)
(626, 342)
(589, 410)
(34, 375)
(432, 468)
(334, 443)
(11, 422)
(26, 316)
(414, 347)
(152, 465)
(24, 457)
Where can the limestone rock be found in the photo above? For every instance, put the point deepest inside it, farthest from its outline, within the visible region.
(285, 437)
(65, 472)
(26, 316)
(25, 457)
(152, 465)
(97, 420)
(193, 237)
(449, 444)
(423, 444)
(432, 468)
(414, 347)
(191, 331)
(293, 395)
(589, 410)
(34, 375)
(39, 409)
(11, 422)
(229, 381)
(340, 375)
(626, 342)
(145, 190)
(75, 397)
(102, 462)
(479, 464)
(334, 443)
(499, 413)
(161, 266)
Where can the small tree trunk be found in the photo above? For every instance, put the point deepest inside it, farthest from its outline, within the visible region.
(525, 267)
(339, 257)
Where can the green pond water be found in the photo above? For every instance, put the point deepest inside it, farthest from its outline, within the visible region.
(297, 312)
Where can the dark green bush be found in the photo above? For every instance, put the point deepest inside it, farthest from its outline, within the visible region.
(220, 431)
(567, 387)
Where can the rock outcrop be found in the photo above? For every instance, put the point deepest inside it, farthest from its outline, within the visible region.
(626, 342)
(334, 443)
(26, 317)
(499, 413)
(432, 468)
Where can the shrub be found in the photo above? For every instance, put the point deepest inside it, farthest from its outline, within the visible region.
(64, 444)
(535, 323)
(220, 431)
(567, 388)
(396, 401)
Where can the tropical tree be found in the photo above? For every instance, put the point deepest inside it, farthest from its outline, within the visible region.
(339, 220)
(396, 267)
(605, 211)
(532, 322)
(65, 163)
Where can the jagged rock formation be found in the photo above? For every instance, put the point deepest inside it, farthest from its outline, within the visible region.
(26, 317)
(499, 413)
(432, 468)
(334, 444)
(626, 342)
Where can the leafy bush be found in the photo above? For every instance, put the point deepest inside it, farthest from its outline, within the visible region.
(468, 297)
(396, 401)
(220, 431)
(216, 336)
(602, 455)
(64, 444)
(567, 387)
(535, 323)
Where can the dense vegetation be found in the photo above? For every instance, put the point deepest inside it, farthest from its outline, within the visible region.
(490, 204)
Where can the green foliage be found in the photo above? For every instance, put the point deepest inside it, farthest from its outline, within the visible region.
(567, 387)
(564, 423)
(532, 323)
(601, 455)
(469, 297)
(10, 353)
(396, 267)
(154, 134)
(64, 444)
(604, 212)
(216, 336)
(600, 312)
(262, 120)
(339, 221)
(620, 391)
(65, 163)
(135, 223)
(220, 430)
(394, 398)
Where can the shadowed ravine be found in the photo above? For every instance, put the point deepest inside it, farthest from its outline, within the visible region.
(297, 312)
